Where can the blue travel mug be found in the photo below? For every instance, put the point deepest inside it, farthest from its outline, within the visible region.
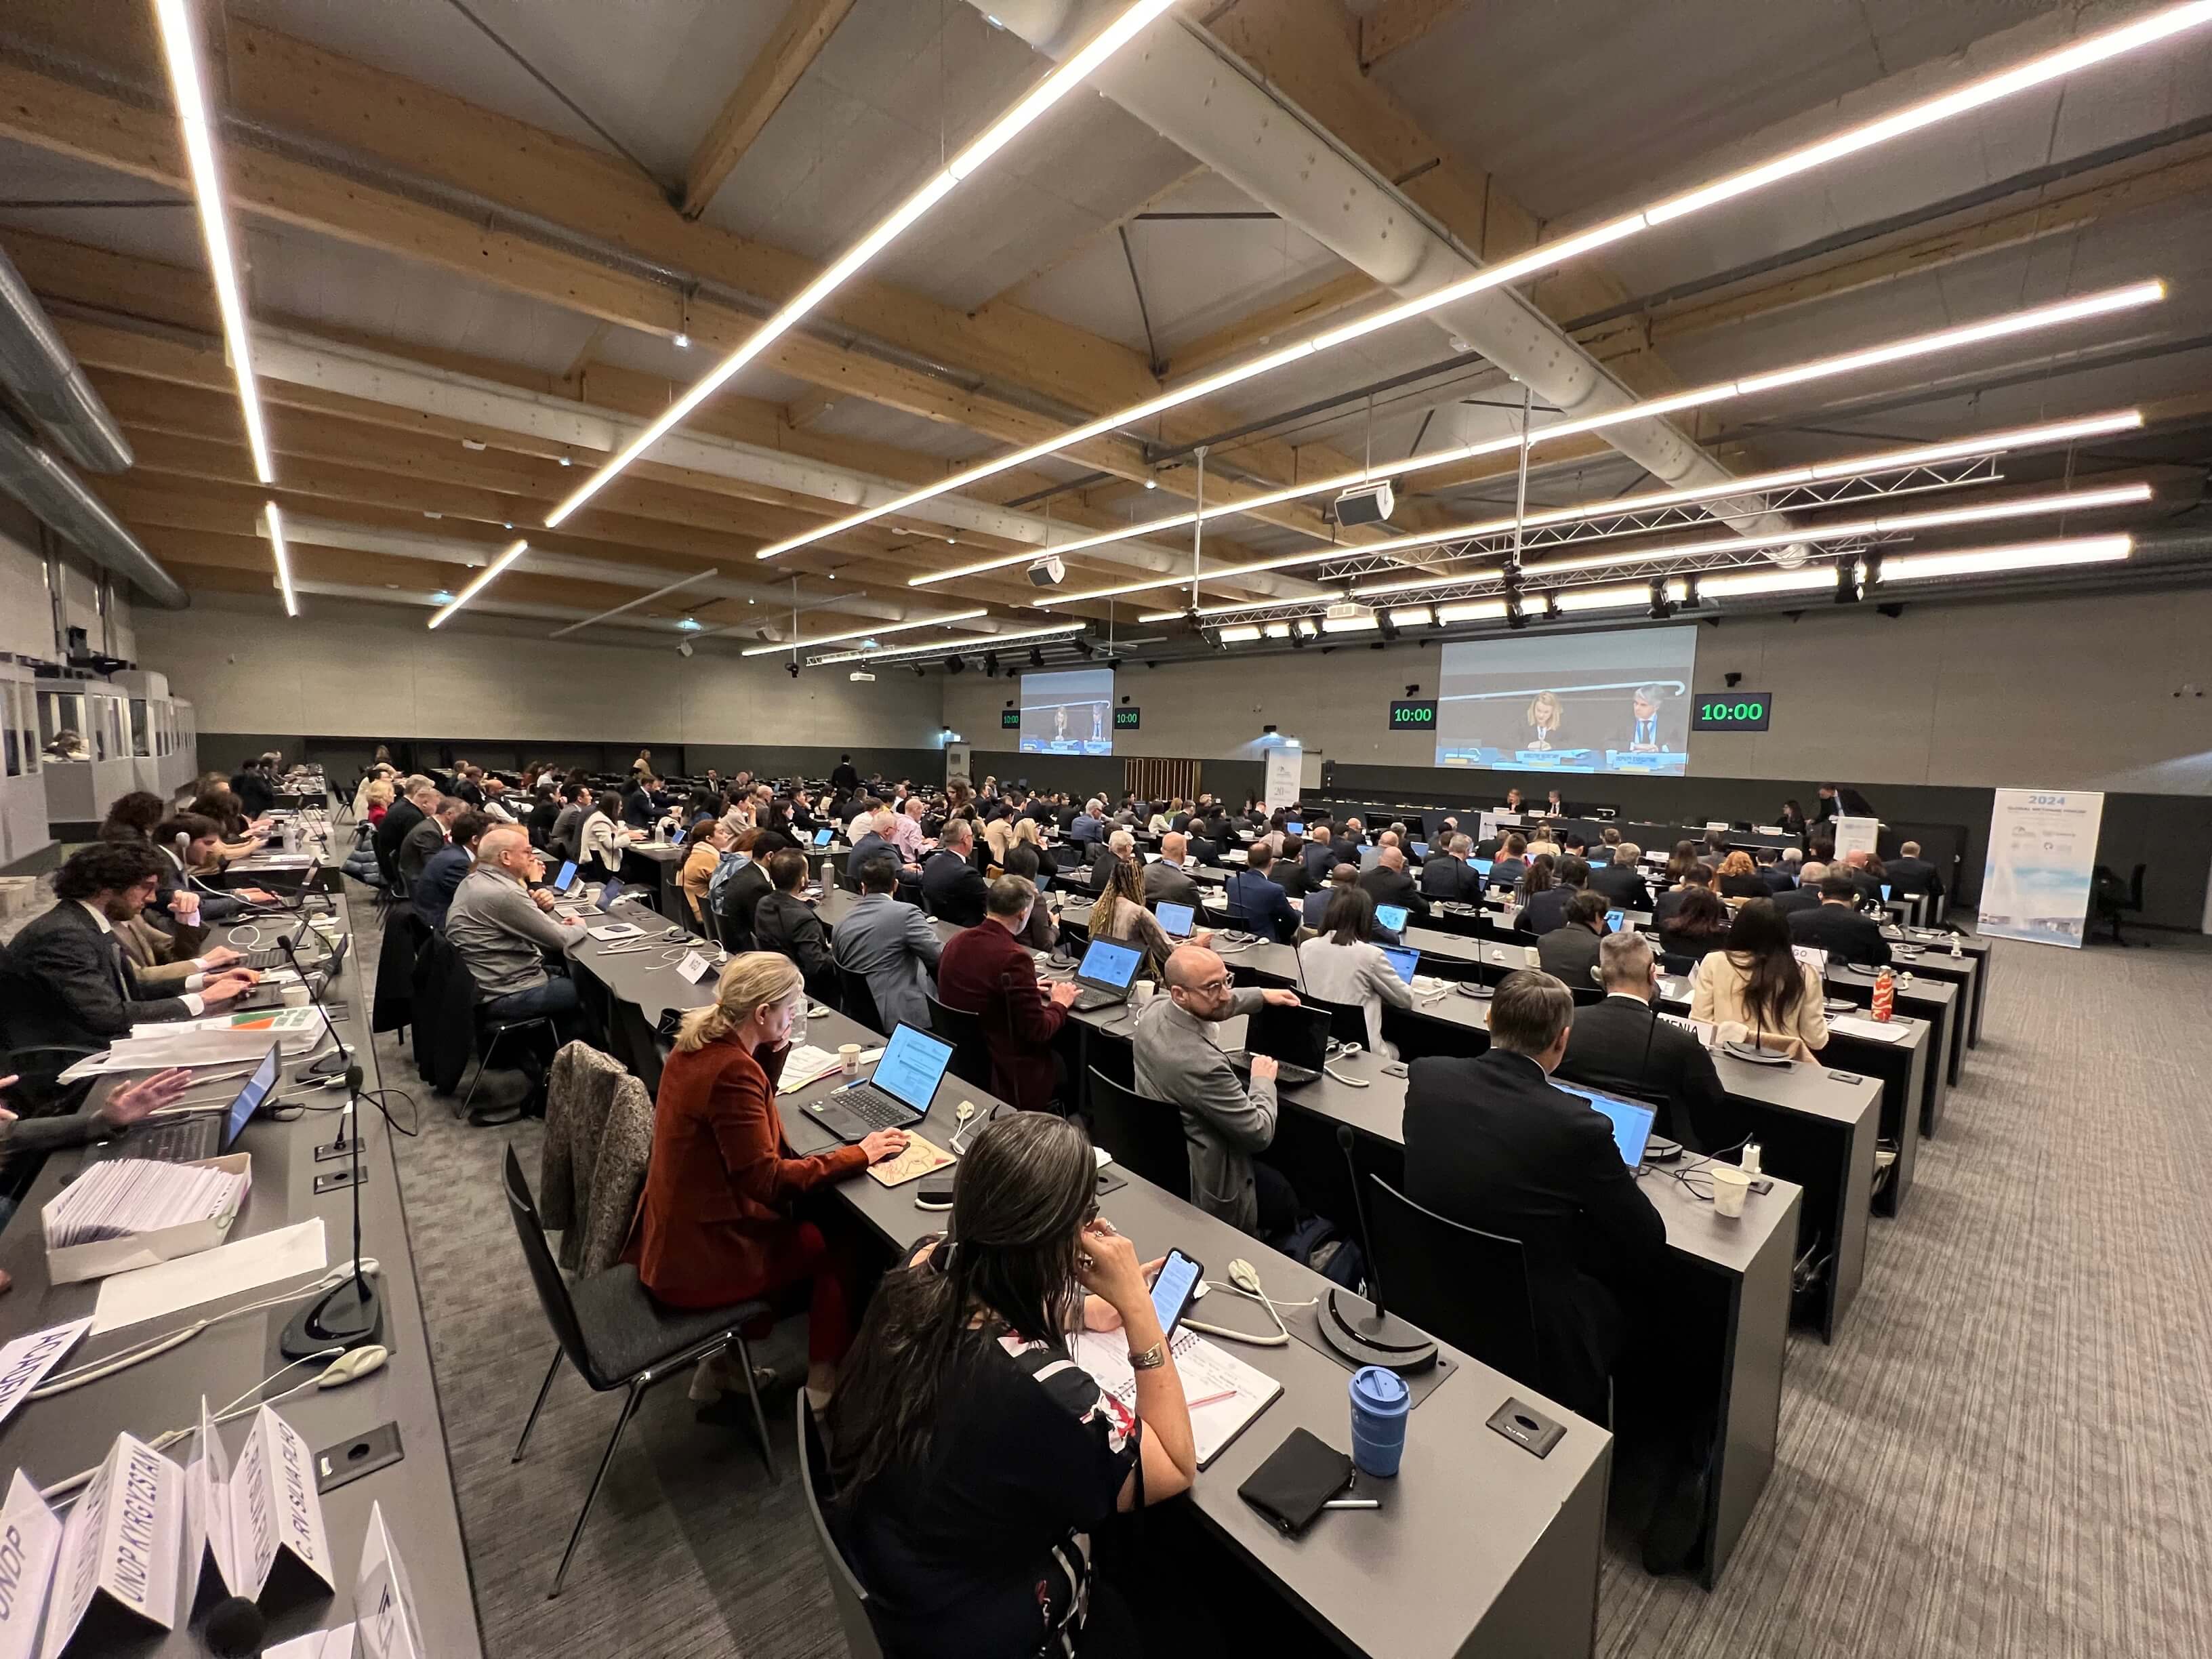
(1380, 1401)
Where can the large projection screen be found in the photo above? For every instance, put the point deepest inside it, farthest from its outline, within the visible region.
(1069, 713)
(1569, 702)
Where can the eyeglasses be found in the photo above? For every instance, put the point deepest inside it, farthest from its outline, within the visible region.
(1215, 986)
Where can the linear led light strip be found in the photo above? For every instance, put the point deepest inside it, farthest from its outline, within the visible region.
(181, 52)
(965, 646)
(2055, 432)
(2078, 500)
(949, 616)
(484, 580)
(275, 520)
(1923, 345)
(2036, 71)
(1048, 92)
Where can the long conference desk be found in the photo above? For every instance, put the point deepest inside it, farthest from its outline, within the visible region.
(51, 1439)
(1430, 1575)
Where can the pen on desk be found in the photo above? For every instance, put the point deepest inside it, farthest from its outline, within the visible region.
(1353, 1504)
(1210, 1400)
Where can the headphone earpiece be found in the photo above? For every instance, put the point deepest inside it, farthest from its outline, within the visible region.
(184, 842)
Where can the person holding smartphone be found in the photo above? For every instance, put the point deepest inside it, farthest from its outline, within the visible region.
(973, 1457)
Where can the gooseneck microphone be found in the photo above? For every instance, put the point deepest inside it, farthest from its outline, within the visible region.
(1378, 1337)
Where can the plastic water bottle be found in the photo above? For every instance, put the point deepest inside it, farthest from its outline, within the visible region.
(1885, 996)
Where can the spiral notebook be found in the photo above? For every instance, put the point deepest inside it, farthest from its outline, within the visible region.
(1224, 1394)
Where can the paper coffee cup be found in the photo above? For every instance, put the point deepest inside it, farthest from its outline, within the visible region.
(848, 1059)
(295, 996)
(1731, 1186)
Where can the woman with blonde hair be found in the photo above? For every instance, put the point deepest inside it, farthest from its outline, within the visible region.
(718, 1223)
(1025, 835)
(1543, 716)
(998, 836)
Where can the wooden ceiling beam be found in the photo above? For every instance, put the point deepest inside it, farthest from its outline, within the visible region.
(799, 39)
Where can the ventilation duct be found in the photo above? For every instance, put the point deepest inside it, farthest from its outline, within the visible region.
(38, 369)
(58, 496)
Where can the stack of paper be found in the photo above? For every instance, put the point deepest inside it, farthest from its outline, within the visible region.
(807, 1063)
(1865, 1025)
(130, 1195)
(1224, 1394)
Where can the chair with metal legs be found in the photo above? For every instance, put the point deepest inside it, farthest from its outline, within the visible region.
(617, 1336)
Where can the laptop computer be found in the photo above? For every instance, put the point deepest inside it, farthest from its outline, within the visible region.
(1290, 828)
(1175, 919)
(1392, 916)
(568, 884)
(1295, 1037)
(1420, 849)
(823, 835)
(1615, 920)
(1105, 974)
(187, 1139)
(898, 1094)
(1631, 1119)
(1402, 962)
(1482, 866)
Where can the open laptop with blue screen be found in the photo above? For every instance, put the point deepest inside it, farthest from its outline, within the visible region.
(1175, 918)
(822, 836)
(566, 883)
(1631, 1119)
(1392, 916)
(1482, 866)
(1615, 920)
(905, 1082)
(1105, 974)
(187, 1139)
(1290, 828)
(1402, 962)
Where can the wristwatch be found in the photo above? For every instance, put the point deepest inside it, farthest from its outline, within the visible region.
(1151, 1358)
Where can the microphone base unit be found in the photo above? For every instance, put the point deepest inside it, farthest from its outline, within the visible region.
(1368, 1337)
(347, 1317)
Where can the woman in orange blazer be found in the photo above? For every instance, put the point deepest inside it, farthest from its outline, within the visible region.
(715, 1224)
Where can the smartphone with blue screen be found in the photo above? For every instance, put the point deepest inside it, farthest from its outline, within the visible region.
(1175, 1288)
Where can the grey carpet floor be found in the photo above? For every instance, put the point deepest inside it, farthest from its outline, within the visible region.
(2005, 1453)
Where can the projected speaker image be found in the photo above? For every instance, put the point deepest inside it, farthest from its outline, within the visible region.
(1573, 702)
(1070, 713)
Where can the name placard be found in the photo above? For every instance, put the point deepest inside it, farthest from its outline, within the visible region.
(25, 1362)
(383, 1605)
(694, 967)
(120, 1547)
(30, 1539)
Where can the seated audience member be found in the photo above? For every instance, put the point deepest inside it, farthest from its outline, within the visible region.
(132, 817)
(1863, 869)
(1692, 875)
(376, 797)
(1684, 859)
(1757, 990)
(1836, 925)
(1224, 1120)
(1165, 880)
(738, 904)
(1543, 844)
(1448, 878)
(1910, 873)
(1740, 877)
(1253, 894)
(1043, 931)
(1511, 863)
(378, 772)
(785, 922)
(1540, 876)
(468, 784)
(1781, 876)
(503, 929)
(870, 834)
(255, 788)
(66, 981)
(544, 812)
(1806, 894)
(1622, 1046)
(952, 886)
(1607, 847)
(1342, 964)
(985, 970)
(497, 805)
(637, 804)
(127, 1104)
(429, 838)
(1319, 858)
(718, 1221)
(889, 944)
(1389, 883)
(1118, 847)
(704, 843)
(599, 844)
(1087, 825)
(973, 1457)
(906, 829)
(186, 844)
(432, 891)
(1314, 912)
(1569, 952)
(240, 839)
(406, 812)
(1548, 909)
(1490, 1143)
(1698, 924)
(563, 840)
(1119, 913)
(1621, 881)
(1290, 853)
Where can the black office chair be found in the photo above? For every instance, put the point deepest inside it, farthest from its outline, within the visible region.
(856, 1001)
(1586, 996)
(971, 1055)
(1467, 1287)
(616, 1336)
(1143, 1134)
(849, 1595)
(2111, 901)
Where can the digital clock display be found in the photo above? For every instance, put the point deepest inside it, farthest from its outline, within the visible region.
(1009, 719)
(1411, 716)
(1127, 719)
(1738, 711)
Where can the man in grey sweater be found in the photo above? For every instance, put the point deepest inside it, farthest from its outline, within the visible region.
(1224, 1122)
(502, 930)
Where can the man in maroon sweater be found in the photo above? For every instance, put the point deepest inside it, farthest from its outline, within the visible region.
(985, 970)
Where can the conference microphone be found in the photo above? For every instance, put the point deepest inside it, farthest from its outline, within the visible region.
(236, 1629)
(350, 1314)
(1377, 1337)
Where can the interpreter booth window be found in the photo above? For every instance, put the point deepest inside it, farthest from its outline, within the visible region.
(142, 732)
(26, 726)
(62, 722)
(11, 734)
(111, 728)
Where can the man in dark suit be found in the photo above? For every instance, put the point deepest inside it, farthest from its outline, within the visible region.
(986, 970)
(1663, 906)
(1165, 880)
(1548, 909)
(1623, 1047)
(844, 776)
(65, 980)
(256, 791)
(1319, 855)
(1289, 868)
(1255, 901)
(1836, 925)
(1448, 878)
(1622, 880)
(1389, 883)
(1569, 952)
(952, 886)
(1910, 873)
(1806, 895)
(1511, 862)
(405, 813)
(1781, 876)
(1490, 1143)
